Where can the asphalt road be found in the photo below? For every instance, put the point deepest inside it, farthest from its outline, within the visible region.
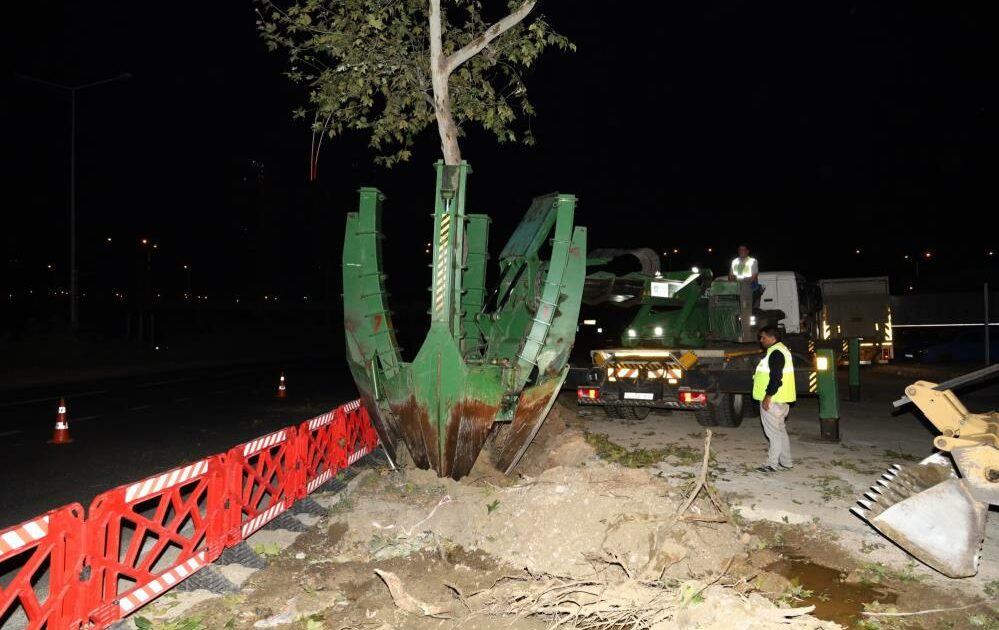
(126, 429)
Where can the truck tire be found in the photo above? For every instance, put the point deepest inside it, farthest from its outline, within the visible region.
(706, 417)
(723, 410)
(627, 413)
(730, 409)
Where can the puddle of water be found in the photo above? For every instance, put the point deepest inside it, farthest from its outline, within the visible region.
(834, 599)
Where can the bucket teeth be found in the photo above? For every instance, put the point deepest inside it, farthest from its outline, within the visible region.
(927, 510)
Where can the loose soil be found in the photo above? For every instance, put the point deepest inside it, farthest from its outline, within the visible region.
(575, 538)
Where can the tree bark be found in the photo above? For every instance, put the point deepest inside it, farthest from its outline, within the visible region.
(475, 46)
(439, 75)
(441, 68)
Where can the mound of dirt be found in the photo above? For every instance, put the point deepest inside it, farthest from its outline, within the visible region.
(574, 540)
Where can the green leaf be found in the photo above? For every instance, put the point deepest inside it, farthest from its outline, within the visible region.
(492, 507)
(366, 67)
(143, 624)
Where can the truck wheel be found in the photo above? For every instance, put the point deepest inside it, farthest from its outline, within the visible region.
(627, 413)
(730, 409)
(706, 417)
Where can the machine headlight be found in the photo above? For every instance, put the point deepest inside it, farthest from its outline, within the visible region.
(631, 332)
(659, 331)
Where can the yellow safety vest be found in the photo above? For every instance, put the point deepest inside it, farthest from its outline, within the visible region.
(761, 379)
(742, 269)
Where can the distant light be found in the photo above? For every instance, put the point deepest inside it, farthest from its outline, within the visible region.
(665, 253)
(929, 254)
(658, 330)
(145, 241)
(305, 297)
(695, 270)
(589, 322)
(752, 320)
(599, 330)
(49, 266)
(631, 332)
(857, 251)
(185, 267)
(155, 246)
(676, 251)
(156, 348)
(910, 288)
(109, 239)
(991, 253)
(907, 257)
(710, 250)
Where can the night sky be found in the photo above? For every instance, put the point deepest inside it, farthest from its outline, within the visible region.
(808, 130)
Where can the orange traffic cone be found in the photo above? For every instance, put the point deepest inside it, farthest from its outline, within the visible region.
(282, 392)
(61, 433)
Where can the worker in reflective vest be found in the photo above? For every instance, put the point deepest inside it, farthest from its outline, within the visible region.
(744, 267)
(773, 386)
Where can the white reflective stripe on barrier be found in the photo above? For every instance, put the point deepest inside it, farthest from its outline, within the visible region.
(320, 479)
(164, 582)
(261, 519)
(24, 535)
(352, 405)
(320, 421)
(166, 480)
(262, 443)
(356, 455)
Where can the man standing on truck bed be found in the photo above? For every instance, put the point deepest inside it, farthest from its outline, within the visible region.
(744, 267)
(773, 386)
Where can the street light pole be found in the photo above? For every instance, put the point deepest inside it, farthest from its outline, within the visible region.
(74, 306)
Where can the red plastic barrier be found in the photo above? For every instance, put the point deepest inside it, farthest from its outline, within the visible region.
(321, 450)
(145, 537)
(58, 572)
(264, 481)
(40, 565)
(359, 436)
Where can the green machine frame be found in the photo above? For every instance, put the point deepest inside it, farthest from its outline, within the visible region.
(494, 358)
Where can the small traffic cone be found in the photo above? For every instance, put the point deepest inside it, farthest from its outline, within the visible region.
(61, 433)
(282, 392)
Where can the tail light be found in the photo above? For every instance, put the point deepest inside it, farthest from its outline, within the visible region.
(587, 393)
(688, 397)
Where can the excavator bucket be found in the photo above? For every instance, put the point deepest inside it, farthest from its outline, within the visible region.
(936, 510)
(927, 510)
(493, 361)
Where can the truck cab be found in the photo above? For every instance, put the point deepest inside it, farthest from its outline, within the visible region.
(788, 291)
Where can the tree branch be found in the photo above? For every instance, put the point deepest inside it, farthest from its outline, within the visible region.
(475, 46)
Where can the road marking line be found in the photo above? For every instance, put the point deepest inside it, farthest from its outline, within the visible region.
(6, 433)
(139, 408)
(84, 418)
(18, 403)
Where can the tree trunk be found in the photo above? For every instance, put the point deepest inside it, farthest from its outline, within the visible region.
(441, 68)
(439, 74)
(446, 126)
